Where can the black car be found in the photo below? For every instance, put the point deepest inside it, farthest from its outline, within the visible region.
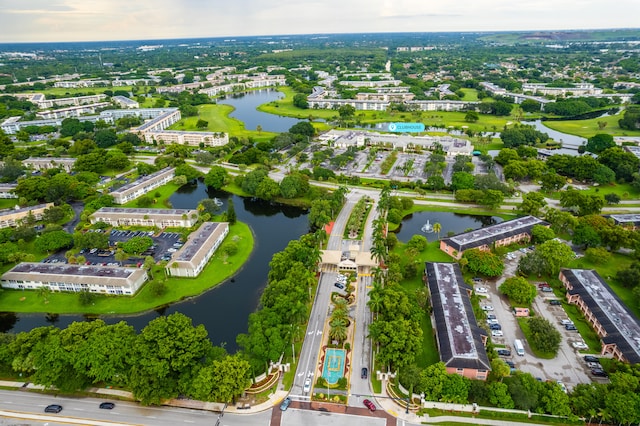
(591, 358)
(599, 372)
(339, 285)
(511, 364)
(107, 405)
(364, 373)
(495, 326)
(504, 352)
(570, 327)
(555, 302)
(53, 408)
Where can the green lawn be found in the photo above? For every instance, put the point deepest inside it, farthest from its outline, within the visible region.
(588, 128)
(161, 202)
(219, 121)
(470, 95)
(216, 272)
(8, 203)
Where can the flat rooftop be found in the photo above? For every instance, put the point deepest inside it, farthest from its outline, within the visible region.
(196, 241)
(140, 181)
(73, 270)
(455, 315)
(23, 209)
(608, 309)
(626, 218)
(135, 210)
(482, 236)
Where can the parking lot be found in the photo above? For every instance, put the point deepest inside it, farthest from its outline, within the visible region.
(568, 366)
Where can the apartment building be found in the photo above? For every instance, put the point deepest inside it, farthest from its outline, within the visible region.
(194, 255)
(501, 234)
(74, 278)
(73, 111)
(125, 102)
(162, 218)
(6, 190)
(143, 185)
(44, 163)
(14, 217)
(191, 138)
(461, 342)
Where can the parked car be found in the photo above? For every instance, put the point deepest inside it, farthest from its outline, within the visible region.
(591, 358)
(503, 352)
(339, 285)
(566, 322)
(491, 317)
(547, 289)
(593, 365)
(364, 373)
(492, 321)
(307, 386)
(599, 372)
(570, 327)
(107, 405)
(555, 302)
(53, 408)
(370, 405)
(497, 333)
(487, 308)
(481, 290)
(580, 345)
(477, 280)
(562, 386)
(543, 284)
(285, 404)
(495, 327)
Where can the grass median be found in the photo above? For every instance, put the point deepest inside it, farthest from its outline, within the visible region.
(217, 271)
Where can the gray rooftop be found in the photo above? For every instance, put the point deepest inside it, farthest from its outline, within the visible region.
(622, 327)
(125, 210)
(626, 219)
(73, 270)
(196, 241)
(140, 181)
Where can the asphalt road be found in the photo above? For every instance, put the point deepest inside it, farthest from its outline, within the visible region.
(20, 402)
(361, 349)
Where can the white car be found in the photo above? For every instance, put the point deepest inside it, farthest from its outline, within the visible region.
(481, 290)
(580, 345)
(497, 333)
(562, 386)
(307, 386)
(566, 322)
(487, 308)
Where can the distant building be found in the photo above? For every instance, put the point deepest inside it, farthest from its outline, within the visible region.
(81, 83)
(191, 138)
(65, 277)
(125, 102)
(191, 259)
(14, 217)
(617, 327)
(143, 185)
(461, 342)
(6, 190)
(162, 218)
(579, 89)
(501, 234)
(630, 220)
(45, 163)
(73, 111)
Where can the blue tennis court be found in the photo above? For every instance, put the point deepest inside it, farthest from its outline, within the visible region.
(333, 367)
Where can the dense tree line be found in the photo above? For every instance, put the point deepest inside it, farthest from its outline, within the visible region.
(168, 358)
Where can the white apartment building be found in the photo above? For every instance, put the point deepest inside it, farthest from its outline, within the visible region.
(125, 102)
(65, 277)
(579, 89)
(14, 217)
(6, 190)
(162, 218)
(81, 83)
(143, 185)
(191, 138)
(74, 111)
(194, 255)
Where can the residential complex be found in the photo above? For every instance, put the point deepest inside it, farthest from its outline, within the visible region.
(125, 102)
(501, 234)
(14, 217)
(76, 278)
(6, 190)
(44, 163)
(143, 185)
(73, 111)
(162, 218)
(191, 259)
(191, 138)
(461, 342)
(40, 100)
(617, 327)
(579, 89)
(629, 220)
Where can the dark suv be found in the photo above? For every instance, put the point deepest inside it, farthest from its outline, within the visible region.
(53, 408)
(364, 373)
(503, 352)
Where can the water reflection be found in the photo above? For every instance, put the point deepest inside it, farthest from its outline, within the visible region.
(246, 105)
(449, 222)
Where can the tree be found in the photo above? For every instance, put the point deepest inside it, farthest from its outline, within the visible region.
(599, 143)
(532, 203)
(231, 212)
(223, 380)
(612, 198)
(623, 163)
(418, 242)
(529, 105)
(484, 262)
(303, 128)
(300, 101)
(519, 290)
(216, 177)
(540, 234)
(346, 112)
(202, 124)
(53, 241)
(543, 335)
(462, 180)
(597, 255)
(556, 254)
(106, 138)
(437, 228)
(586, 236)
(471, 117)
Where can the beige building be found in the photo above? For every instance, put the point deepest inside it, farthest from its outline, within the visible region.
(162, 218)
(191, 138)
(44, 163)
(6, 190)
(15, 217)
(74, 111)
(143, 185)
(191, 259)
(65, 277)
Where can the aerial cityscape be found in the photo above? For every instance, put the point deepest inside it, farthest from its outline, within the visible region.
(216, 214)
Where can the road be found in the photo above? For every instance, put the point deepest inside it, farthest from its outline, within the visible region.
(81, 410)
(361, 348)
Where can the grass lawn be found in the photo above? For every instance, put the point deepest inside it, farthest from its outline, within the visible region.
(216, 272)
(470, 95)
(161, 202)
(8, 203)
(219, 121)
(588, 128)
(586, 332)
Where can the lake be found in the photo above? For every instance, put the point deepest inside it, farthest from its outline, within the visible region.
(245, 105)
(223, 310)
(450, 222)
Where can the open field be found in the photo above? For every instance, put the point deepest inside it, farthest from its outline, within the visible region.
(588, 128)
(470, 95)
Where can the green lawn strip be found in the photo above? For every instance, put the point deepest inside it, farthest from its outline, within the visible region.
(584, 328)
(161, 202)
(500, 415)
(8, 203)
(624, 190)
(524, 326)
(470, 95)
(588, 128)
(177, 288)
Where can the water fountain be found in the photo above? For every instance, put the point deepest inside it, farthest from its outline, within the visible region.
(427, 227)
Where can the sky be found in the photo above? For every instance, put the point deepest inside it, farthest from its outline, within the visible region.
(96, 20)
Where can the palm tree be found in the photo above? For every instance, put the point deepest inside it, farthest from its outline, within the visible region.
(44, 292)
(339, 314)
(437, 228)
(338, 322)
(338, 333)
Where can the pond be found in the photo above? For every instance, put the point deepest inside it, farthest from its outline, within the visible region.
(449, 222)
(245, 105)
(224, 310)
(570, 143)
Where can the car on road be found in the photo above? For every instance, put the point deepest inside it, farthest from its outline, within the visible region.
(285, 404)
(307, 386)
(370, 405)
(599, 372)
(481, 290)
(497, 333)
(339, 285)
(580, 345)
(107, 406)
(591, 358)
(487, 308)
(53, 408)
(555, 302)
(570, 327)
(364, 373)
(503, 352)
